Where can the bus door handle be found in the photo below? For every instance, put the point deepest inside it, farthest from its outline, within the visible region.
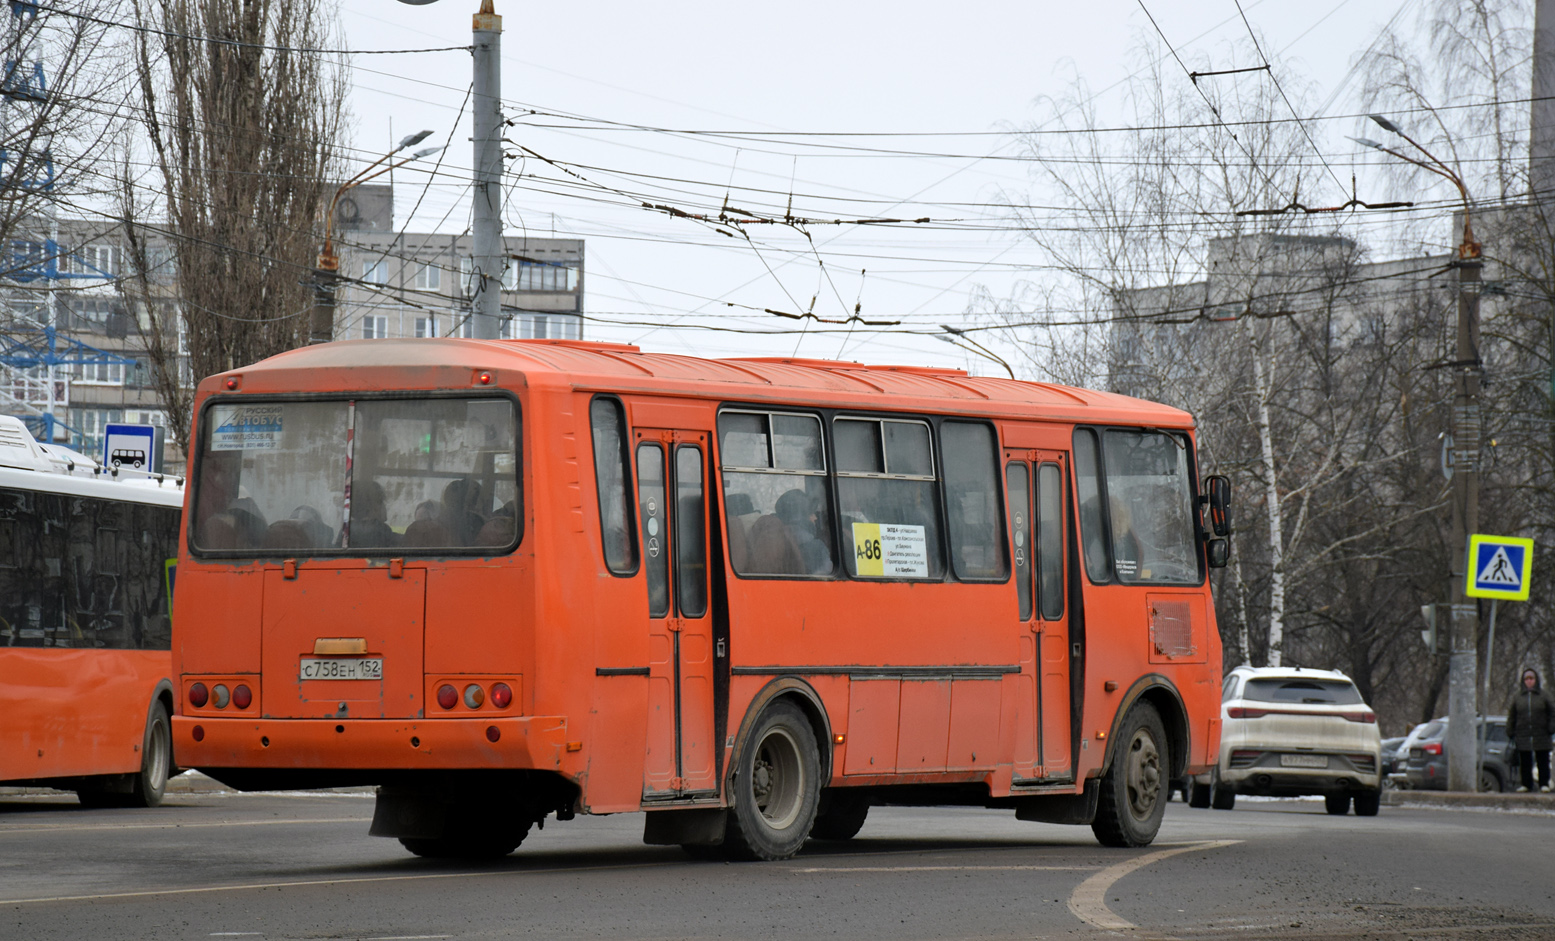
(673, 624)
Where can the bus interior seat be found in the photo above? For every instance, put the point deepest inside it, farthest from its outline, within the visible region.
(286, 534)
(497, 532)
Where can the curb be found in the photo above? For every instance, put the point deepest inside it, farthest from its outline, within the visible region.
(1456, 800)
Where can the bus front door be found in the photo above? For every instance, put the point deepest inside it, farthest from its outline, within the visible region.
(672, 509)
(1035, 484)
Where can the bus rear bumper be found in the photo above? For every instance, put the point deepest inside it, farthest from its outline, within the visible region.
(536, 742)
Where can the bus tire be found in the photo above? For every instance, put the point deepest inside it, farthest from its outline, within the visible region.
(1134, 789)
(776, 787)
(843, 817)
(466, 845)
(156, 760)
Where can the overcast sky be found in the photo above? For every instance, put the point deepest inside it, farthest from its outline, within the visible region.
(936, 88)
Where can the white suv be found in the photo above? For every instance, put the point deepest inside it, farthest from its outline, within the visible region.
(1289, 732)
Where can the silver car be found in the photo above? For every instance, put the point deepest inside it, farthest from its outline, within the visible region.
(1291, 732)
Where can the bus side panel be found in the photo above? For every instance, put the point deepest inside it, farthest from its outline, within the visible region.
(75, 712)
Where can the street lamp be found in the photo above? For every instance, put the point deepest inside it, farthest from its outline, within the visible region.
(1462, 742)
(328, 267)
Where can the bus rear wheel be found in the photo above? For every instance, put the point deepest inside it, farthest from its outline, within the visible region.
(1133, 791)
(843, 817)
(147, 786)
(777, 787)
(466, 845)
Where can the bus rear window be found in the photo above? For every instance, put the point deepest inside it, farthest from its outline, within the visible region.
(343, 477)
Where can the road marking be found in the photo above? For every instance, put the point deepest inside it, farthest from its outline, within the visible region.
(253, 886)
(942, 868)
(1089, 899)
(55, 828)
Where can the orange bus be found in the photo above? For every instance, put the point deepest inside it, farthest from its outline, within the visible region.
(87, 559)
(752, 597)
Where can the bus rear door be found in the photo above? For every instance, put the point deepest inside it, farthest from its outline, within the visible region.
(672, 504)
(1036, 483)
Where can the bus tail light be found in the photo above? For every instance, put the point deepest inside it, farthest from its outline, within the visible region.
(447, 696)
(220, 695)
(198, 696)
(493, 733)
(501, 695)
(474, 696)
(242, 697)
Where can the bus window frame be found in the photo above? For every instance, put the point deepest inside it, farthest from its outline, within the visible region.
(1000, 497)
(1184, 441)
(936, 478)
(716, 460)
(628, 479)
(196, 478)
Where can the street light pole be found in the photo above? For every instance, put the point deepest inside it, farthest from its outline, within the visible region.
(486, 224)
(1463, 663)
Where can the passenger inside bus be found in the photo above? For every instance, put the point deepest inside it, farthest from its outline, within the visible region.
(370, 518)
(461, 510)
(797, 512)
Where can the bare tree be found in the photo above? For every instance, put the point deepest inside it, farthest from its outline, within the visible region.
(242, 115)
(60, 86)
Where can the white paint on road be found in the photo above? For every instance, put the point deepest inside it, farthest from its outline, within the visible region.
(56, 827)
(829, 869)
(1089, 900)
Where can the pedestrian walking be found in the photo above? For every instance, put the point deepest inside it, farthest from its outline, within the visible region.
(1530, 718)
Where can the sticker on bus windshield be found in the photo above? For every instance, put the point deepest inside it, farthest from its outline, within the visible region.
(890, 550)
(246, 427)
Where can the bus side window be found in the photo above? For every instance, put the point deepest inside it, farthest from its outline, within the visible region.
(1087, 475)
(1017, 489)
(886, 498)
(1050, 541)
(611, 478)
(690, 534)
(650, 503)
(776, 504)
(972, 516)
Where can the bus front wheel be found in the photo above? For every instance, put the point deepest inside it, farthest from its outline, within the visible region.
(776, 787)
(1133, 791)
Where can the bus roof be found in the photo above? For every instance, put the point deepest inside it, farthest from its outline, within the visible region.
(28, 464)
(456, 363)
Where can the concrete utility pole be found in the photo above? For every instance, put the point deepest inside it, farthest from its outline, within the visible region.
(1463, 662)
(1541, 151)
(486, 226)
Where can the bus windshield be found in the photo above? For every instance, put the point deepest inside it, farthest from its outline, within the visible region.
(358, 477)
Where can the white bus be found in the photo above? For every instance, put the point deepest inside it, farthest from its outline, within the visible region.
(87, 560)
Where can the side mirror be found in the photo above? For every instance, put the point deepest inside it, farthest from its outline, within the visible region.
(1219, 490)
(1218, 553)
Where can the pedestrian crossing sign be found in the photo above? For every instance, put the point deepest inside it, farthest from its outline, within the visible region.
(1499, 567)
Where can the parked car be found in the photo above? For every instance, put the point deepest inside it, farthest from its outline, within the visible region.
(1426, 765)
(1290, 732)
(1392, 758)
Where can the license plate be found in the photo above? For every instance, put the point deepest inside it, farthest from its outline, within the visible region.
(354, 668)
(1304, 761)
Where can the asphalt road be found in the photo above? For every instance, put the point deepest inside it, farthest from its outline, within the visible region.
(301, 866)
